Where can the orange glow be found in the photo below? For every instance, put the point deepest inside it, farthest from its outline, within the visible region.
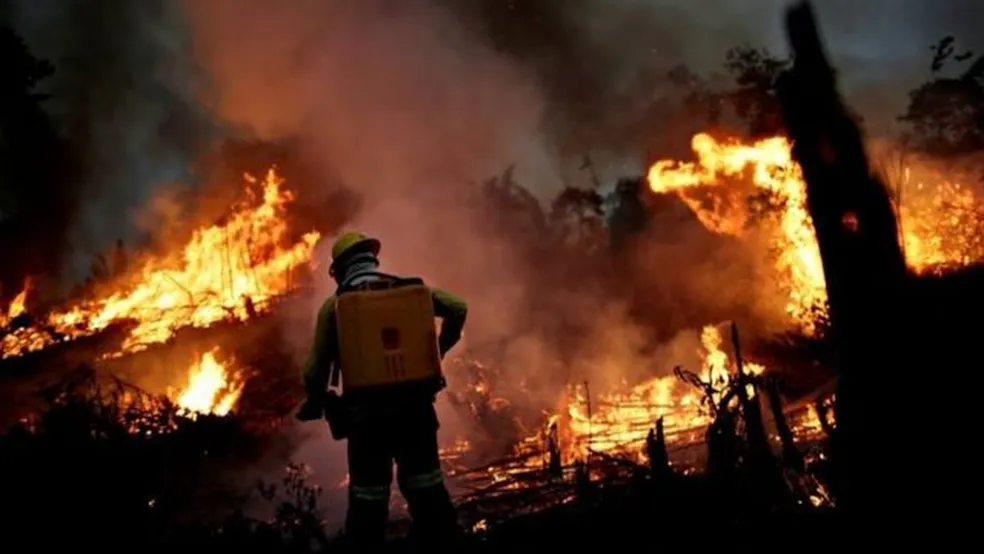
(227, 271)
(211, 388)
(939, 224)
(18, 305)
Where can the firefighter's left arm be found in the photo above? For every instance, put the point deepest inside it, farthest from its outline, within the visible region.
(453, 312)
(317, 369)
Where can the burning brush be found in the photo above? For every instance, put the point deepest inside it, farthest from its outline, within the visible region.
(212, 388)
(229, 271)
(681, 413)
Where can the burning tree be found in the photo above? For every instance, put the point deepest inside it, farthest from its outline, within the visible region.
(231, 270)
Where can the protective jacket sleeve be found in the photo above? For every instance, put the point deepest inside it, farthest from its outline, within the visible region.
(453, 311)
(324, 355)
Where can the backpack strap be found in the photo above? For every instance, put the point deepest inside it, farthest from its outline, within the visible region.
(386, 281)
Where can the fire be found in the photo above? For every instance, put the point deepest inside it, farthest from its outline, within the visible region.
(17, 305)
(939, 229)
(939, 224)
(620, 422)
(769, 165)
(227, 271)
(211, 388)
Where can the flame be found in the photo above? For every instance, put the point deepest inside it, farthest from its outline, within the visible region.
(17, 305)
(938, 224)
(210, 388)
(227, 271)
(620, 422)
(768, 164)
(938, 230)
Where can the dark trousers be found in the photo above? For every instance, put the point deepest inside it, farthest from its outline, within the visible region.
(405, 434)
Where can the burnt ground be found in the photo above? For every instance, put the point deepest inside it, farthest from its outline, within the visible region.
(104, 475)
(102, 486)
(79, 469)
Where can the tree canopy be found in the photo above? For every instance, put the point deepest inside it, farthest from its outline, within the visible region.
(946, 114)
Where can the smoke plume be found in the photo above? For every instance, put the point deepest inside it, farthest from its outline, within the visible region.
(123, 94)
(602, 62)
(410, 103)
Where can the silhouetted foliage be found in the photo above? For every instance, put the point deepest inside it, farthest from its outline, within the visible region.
(629, 215)
(158, 478)
(946, 114)
(576, 217)
(700, 99)
(36, 198)
(754, 99)
(750, 96)
(111, 465)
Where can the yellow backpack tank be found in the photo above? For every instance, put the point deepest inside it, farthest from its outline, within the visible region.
(387, 336)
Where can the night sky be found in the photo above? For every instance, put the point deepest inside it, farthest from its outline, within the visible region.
(406, 91)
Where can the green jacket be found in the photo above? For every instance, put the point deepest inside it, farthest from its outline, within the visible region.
(451, 309)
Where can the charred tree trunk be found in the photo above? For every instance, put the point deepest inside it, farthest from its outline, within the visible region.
(758, 442)
(864, 270)
(823, 414)
(791, 455)
(659, 459)
(582, 482)
(722, 445)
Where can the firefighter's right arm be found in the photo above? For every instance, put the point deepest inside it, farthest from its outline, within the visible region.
(318, 367)
(453, 312)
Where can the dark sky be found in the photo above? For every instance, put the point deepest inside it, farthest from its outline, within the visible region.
(881, 47)
(390, 90)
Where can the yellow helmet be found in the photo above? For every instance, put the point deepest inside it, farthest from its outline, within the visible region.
(351, 242)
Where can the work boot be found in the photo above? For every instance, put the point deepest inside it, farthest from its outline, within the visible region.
(365, 525)
(435, 520)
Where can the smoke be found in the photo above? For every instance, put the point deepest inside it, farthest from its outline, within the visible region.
(403, 107)
(409, 103)
(533, 82)
(602, 62)
(394, 101)
(123, 93)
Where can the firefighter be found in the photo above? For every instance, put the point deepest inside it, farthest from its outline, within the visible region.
(377, 336)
